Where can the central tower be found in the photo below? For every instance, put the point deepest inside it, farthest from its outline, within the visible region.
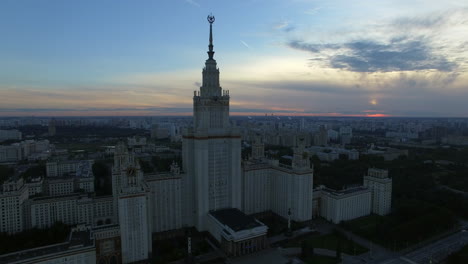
(211, 103)
(211, 149)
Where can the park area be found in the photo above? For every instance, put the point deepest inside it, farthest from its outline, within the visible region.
(335, 241)
(411, 223)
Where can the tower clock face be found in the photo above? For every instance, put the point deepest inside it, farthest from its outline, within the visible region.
(131, 171)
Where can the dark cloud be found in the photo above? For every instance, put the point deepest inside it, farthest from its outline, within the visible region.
(420, 22)
(410, 44)
(370, 56)
(311, 47)
(289, 28)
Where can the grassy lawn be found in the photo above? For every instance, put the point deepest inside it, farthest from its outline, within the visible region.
(365, 226)
(330, 241)
(317, 259)
(411, 224)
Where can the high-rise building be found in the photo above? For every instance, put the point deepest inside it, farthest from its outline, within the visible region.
(211, 149)
(132, 193)
(13, 195)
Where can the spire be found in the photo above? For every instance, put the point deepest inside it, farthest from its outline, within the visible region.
(211, 19)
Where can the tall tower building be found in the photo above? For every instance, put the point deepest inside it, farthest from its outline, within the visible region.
(211, 149)
(258, 147)
(380, 184)
(131, 198)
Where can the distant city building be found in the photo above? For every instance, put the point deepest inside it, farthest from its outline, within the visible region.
(346, 134)
(401, 136)
(13, 196)
(387, 153)
(455, 140)
(162, 132)
(66, 177)
(333, 153)
(321, 137)
(10, 134)
(136, 141)
(51, 128)
(27, 149)
(332, 135)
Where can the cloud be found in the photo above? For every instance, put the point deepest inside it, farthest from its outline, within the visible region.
(312, 11)
(285, 26)
(434, 41)
(192, 2)
(401, 54)
(312, 47)
(245, 44)
(404, 55)
(282, 24)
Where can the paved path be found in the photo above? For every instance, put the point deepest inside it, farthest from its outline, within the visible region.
(274, 239)
(454, 190)
(435, 252)
(271, 255)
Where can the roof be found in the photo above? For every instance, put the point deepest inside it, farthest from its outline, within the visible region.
(345, 191)
(235, 219)
(77, 240)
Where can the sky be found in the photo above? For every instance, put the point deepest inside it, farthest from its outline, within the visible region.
(283, 57)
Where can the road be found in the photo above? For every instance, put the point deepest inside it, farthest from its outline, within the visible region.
(434, 252)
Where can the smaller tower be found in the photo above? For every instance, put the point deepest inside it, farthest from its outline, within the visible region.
(258, 148)
(380, 184)
(301, 157)
(131, 205)
(175, 169)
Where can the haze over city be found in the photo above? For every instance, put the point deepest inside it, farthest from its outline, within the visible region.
(295, 57)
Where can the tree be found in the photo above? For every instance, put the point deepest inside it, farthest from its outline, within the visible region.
(338, 249)
(5, 173)
(102, 178)
(307, 250)
(304, 249)
(145, 166)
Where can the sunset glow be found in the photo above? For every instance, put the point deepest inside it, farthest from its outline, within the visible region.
(397, 58)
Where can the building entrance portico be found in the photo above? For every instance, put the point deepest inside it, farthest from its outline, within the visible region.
(244, 247)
